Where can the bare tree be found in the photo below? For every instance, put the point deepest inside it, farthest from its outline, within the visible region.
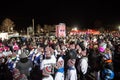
(7, 25)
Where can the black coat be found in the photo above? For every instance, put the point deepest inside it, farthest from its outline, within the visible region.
(5, 73)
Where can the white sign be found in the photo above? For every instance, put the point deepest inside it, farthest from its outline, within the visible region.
(4, 36)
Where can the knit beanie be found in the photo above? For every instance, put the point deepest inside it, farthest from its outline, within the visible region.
(102, 47)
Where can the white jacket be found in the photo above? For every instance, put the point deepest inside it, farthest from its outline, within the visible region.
(83, 65)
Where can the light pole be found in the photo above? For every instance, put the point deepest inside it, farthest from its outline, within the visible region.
(33, 25)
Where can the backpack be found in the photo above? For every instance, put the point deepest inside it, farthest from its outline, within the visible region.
(107, 74)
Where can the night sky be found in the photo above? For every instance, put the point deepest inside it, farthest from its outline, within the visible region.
(71, 12)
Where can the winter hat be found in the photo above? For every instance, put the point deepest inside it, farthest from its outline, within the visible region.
(1, 49)
(23, 55)
(102, 47)
(6, 48)
(15, 47)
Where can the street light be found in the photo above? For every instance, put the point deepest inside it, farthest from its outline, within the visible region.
(75, 29)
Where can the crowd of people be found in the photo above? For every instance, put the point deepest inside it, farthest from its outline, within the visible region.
(64, 58)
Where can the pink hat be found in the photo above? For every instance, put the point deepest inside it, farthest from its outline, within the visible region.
(102, 47)
(1, 49)
(6, 48)
(15, 47)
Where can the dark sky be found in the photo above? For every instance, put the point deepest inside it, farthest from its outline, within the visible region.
(71, 12)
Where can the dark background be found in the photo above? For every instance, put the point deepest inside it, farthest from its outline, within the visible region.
(81, 12)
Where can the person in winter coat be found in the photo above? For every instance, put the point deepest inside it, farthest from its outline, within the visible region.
(5, 73)
(116, 62)
(59, 75)
(47, 65)
(72, 55)
(24, 65)
(83, 65)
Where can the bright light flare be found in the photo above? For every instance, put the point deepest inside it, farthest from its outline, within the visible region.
(119, 28)
(75, 29)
